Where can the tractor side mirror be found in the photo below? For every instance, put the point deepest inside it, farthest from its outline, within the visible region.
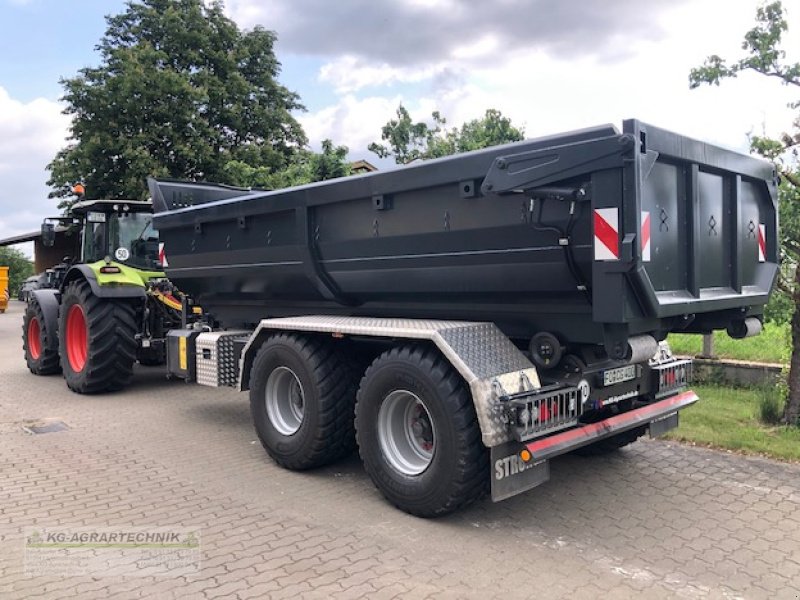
(48, 235)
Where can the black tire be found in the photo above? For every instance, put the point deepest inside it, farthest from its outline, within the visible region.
(457, 471)
(325, 430)
(613, 443)
(110, 334)
(42, 359)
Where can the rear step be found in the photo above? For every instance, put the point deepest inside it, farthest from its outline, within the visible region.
(656, 415)
(518, 467)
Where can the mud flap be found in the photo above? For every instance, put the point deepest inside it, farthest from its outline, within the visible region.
(662, 425)
(511, 475)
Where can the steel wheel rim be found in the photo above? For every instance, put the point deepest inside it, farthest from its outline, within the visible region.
(35, 338)
(285, 400)
(77, 339)
(406, 432)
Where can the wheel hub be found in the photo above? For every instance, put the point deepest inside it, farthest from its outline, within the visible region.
(34, 338)
(406, 432)
(421, 427)
(285, 400)
(77, 339)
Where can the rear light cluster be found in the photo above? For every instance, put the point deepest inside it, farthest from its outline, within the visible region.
(672, 376)
(543, 413)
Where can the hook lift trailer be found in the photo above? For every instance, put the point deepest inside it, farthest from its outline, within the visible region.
(466, 319)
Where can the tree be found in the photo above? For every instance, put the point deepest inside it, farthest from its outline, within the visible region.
(180, 92)
(306, 167)
(408, 141)
(764, 55)
(19, 268)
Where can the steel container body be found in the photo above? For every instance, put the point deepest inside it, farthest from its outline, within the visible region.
(594, 235)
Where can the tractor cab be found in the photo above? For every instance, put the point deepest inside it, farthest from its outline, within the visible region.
(121, 231)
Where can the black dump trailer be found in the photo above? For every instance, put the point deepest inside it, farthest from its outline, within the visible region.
(472, 316)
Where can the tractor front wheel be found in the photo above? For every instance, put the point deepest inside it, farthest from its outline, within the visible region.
(97, 340)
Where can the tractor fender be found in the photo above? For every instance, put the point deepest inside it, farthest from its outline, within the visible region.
(49, 300)
(102, 291)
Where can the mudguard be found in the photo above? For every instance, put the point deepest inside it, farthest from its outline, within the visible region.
(128, 290)
(49, 301)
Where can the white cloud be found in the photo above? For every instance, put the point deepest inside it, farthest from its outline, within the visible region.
(548, 92)
(30, 135)
(423, 31)
(351, 122)
(348, 74)
(483, 46)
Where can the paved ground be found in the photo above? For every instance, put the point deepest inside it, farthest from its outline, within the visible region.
(656, 519)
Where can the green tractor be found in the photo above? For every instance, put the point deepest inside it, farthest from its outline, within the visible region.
(108, 309)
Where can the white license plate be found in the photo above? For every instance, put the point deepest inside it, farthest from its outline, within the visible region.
(619, 375)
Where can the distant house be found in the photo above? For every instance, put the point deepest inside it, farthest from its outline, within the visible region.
(45, 257)
(360, 167)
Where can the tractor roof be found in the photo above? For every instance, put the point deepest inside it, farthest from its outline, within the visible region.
(106, 206)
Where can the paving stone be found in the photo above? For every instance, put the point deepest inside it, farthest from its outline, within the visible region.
(655, 520)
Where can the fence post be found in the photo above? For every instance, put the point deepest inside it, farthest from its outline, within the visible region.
(708, 346)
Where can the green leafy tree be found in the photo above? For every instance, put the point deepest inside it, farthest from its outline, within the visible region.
(764, 55)
(181, 92)
(407, 141)
(306, 167)
(19, 268)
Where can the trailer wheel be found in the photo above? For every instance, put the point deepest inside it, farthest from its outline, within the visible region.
(301, 397)
(613, 443)
(418, 434)
(97, 340)
(40, 355)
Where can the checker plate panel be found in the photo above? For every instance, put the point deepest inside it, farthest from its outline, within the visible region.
(479, 351)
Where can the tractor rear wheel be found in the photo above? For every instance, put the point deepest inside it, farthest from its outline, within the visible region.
(41, 352)
(97, 340)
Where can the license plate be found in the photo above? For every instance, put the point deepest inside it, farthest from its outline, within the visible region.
(619, 375)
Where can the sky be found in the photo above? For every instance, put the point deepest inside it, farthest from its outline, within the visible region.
(549, 65)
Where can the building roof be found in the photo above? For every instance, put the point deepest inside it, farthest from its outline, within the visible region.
(19, 239)
(362, 166)
(26, 237)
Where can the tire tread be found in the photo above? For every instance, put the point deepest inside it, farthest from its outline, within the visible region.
(471, 481)
(48, 361)
(112, 341)
(334, 436)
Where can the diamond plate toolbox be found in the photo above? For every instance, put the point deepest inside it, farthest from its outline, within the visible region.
(217, 359)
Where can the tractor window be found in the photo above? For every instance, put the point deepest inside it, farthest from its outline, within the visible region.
(128, 238)
(134, 242)
(95, 245)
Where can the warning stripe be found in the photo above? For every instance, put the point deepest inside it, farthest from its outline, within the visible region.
(606, 237)
(645, 236)
(762, 243)
(162, 255)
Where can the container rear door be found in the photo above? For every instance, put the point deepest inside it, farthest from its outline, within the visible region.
(707, 224)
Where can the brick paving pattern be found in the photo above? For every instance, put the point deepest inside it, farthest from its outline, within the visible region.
(656, 520)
